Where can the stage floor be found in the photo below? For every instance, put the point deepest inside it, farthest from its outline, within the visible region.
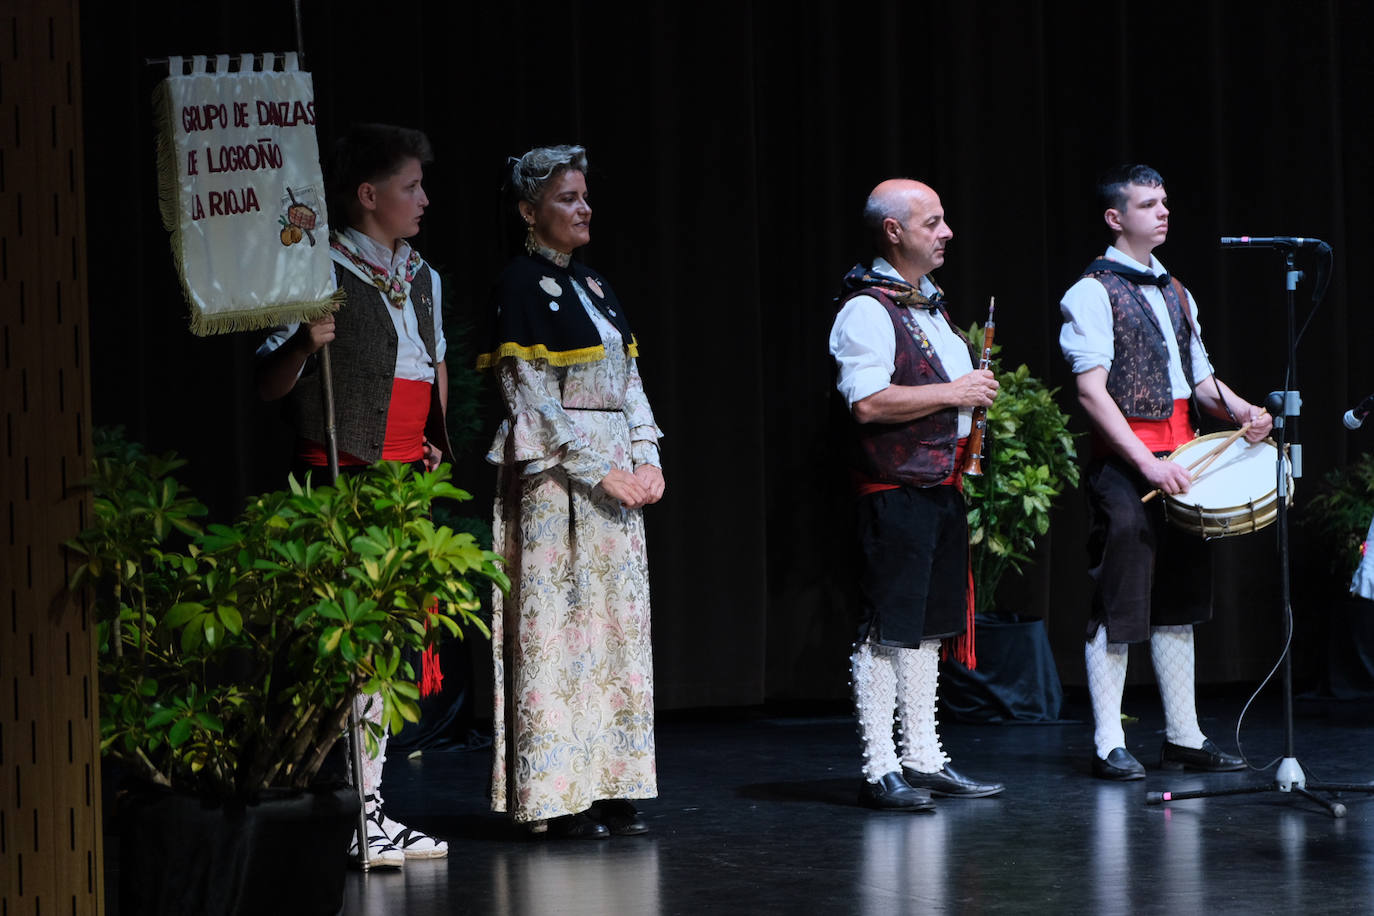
(757, 814)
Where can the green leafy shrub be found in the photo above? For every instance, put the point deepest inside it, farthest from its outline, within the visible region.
(1029, 458)
(229, 654)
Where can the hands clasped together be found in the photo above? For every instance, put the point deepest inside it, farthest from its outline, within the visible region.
(635, 491)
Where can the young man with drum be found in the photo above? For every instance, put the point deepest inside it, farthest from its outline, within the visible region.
(1131, 336)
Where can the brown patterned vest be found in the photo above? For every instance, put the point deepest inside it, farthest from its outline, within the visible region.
(363, 362)
(918, 453)
(1139, 378)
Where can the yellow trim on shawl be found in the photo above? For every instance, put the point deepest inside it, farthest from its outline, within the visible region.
(539, 351)
(555, 357)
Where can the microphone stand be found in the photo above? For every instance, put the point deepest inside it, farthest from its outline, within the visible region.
(1289, 777)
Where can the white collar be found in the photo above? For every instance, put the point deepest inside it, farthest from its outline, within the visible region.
(925, 285)
(378, 253)
(1121, 257)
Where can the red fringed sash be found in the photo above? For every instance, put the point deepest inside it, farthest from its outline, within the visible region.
(961, 647)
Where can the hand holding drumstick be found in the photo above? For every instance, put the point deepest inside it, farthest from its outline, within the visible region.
(1201, 464)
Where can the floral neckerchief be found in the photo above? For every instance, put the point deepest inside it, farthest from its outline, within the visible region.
(396, 287)
(903, 293)
(899, 291)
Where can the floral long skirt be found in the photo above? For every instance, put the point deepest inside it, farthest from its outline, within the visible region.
(574, 695)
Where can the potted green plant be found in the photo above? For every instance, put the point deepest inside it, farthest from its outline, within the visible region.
(1029, 460)
(229, 656)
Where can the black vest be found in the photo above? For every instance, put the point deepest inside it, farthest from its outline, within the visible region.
(363, 363)
(917, 453)
(1138, 380)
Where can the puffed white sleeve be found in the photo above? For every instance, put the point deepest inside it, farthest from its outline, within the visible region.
(1087, 338)
(864, 345)
(644, 431)
(537, 428)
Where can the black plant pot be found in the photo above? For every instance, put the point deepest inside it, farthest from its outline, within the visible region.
(284, 854)
(1016, 679)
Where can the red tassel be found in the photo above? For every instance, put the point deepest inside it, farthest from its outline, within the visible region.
(431, 676)
(964, 650)
(960, 647)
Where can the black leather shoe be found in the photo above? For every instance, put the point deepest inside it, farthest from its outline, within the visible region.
(1119, 765)
(891, 793)
(619, 817)
(1208, 757)
(950, 784)
(577, 827)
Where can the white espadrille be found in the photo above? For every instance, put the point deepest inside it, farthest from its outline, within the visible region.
(381, 851)
(413, 844)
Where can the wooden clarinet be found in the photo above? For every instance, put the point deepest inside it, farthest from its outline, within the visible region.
(973, 461)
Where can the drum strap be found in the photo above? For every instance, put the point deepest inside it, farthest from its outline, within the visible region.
(1188, 369)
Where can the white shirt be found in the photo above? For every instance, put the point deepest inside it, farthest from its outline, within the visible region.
(412, 360)
(864, 344)
(1087, 337)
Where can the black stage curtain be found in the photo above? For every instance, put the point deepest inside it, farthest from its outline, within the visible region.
(732, 145)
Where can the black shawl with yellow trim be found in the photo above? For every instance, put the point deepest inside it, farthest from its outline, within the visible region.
(538, 314)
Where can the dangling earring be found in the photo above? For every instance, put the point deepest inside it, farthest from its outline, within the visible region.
(532, 246)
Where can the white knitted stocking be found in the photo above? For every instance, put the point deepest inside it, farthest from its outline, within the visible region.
(369, 706)
(1106, 664)
(918, 672)
(874, 677)
(1171, 651)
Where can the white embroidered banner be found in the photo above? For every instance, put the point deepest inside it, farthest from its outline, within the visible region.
(241, 193)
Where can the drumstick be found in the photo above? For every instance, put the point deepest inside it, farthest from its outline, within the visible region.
(1210, 454)
(1197, 467)
(1219, 449)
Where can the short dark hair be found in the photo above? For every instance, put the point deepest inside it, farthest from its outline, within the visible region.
(368, 153)
(1112, 186)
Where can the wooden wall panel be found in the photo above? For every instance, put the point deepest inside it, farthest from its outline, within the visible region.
(50, 838)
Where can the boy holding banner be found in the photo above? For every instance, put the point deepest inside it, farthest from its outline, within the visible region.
(387, 353)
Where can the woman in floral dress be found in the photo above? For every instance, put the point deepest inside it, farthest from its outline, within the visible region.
(578, 459)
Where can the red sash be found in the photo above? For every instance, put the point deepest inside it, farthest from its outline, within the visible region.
(405, 428)
(1165, 435)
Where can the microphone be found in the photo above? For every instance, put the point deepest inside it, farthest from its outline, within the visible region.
(1355, 416)
(1271, 241)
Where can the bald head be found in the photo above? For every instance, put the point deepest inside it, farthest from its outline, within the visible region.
(907, 223)
(895, 198)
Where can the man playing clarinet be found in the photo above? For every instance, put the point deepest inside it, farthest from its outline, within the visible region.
(1132, 338)
(907, 379)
